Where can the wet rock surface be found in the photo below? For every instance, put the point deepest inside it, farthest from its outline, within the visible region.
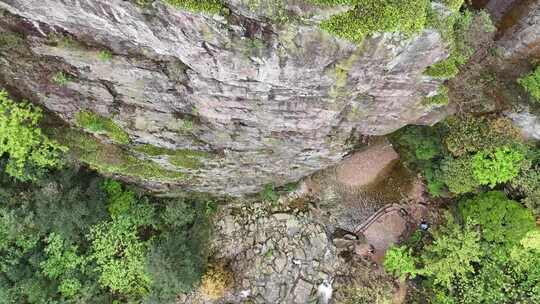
(271, 100)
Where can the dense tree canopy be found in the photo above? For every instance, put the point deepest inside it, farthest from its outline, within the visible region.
(73, 237)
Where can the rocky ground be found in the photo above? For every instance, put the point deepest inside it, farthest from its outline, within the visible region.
(284, 251)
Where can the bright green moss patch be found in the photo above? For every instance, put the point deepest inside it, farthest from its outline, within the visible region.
(454, 5)
(445, 69)
(455, 31)
(101, 125)
(109, 158)
(531, 83)
(184, 158)
(374, 16)
(440, 99)
(211, 7)
(105, 55)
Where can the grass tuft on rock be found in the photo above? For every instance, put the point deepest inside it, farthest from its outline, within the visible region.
(211, 7)
(101, 125)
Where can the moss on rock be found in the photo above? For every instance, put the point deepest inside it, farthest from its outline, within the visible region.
(440, 99)
(212, 7)
(184, 158)
(373, 16)
(98, 124)
(111, 159)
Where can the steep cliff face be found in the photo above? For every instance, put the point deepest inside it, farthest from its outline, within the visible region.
(219, 104)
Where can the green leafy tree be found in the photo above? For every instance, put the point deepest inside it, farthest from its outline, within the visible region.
(22, 140)
(178, 257)
(58, 243)
(64, 264)
(117, 249)
(458, 175)
(400, 262)
(452, 254)
(120, 257)
(499, 166)
(531, 83)
(119, 201)
(62, 258)
(474, 134)
(503, 222)
(420, 148)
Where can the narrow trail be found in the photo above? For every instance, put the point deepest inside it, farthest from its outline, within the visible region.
(389, 225)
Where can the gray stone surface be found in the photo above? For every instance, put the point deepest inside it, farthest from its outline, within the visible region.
(519, 29)
(275, 99)
(270, 264)
(527, 120)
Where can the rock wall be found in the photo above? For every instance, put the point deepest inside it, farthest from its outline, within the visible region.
(519, 27)
(263, 91)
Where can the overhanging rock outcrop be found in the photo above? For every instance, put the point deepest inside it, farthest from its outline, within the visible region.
(248, 99)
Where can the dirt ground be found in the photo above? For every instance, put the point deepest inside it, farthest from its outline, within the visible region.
(390, 225)
(363, 168)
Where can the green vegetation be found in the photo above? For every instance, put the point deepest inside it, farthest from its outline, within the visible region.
(531, 83)
(474, 134)
(63, 41)
(492, 257)
(59, 244)
(499, 166)
(60, 78)
(29, 151)
(504, 222)
(462, 154)
(211, 7)
(399, 262)
(487, 249)
(10, 41)
(184, 158)
(453, 5)
(440, 99)
(367, 17)
(455, 30)
(101, 125)
(527, 183)
(111, 159)
(457, 174)
(105, 55)
(269, 193)
(421, 149)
